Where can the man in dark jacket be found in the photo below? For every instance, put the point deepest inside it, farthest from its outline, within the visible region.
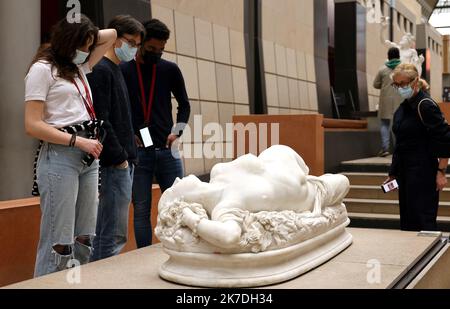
(151, 81)
(112, 105)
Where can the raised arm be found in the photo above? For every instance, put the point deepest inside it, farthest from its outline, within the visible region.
(390, 44)
(106, 39)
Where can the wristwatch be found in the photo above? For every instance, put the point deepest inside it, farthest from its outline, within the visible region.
(442, 170)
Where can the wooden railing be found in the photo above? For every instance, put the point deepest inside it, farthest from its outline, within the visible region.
(343, 124)
(19, 236)
(303, 133)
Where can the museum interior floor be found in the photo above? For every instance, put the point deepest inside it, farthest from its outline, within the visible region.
(376, 259)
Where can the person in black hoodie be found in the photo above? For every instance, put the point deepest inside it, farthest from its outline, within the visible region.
(112, 105)
(151, 81)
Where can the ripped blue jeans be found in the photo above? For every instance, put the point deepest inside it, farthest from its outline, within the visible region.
(69, 201)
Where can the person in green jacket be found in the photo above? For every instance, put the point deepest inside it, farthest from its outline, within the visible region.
(389, 98)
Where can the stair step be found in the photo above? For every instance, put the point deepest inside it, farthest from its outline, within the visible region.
(379, 206)
(370, 192)
(370, 179)
(375, 192)
(388, 221)
(360, 215)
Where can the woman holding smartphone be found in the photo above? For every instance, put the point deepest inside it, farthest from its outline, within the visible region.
(59, 112)
(418, 170)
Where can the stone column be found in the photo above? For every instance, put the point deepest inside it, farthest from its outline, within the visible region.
(20, 38)
(350, 59)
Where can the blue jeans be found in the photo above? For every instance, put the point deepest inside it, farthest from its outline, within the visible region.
(166, 168)
(113, 210)
(385, 134)
(69, 199)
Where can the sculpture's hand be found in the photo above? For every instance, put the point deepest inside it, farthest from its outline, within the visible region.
(421, 59)
(190, 219)
(389, 43)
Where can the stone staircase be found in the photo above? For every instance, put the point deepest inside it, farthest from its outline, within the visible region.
(369, 206)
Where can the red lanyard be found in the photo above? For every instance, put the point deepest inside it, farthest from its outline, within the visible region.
(87, 101)
(146, 109)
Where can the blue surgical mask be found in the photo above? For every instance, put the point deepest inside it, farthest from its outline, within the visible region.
(406, 92)
(125, 53)
(80, 57)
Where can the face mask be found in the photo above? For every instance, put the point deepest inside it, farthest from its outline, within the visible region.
(152, 58)
(406, 93)
(125, 53)
(80, 57)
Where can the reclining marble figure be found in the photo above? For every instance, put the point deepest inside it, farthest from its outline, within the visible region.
(253, 223)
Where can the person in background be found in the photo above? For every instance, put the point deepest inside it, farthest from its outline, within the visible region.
(151, 81)
(112, 105)
(59, 112)
(419, 173)
(389, 98)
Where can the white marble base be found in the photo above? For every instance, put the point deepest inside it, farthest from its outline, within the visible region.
(250, 269)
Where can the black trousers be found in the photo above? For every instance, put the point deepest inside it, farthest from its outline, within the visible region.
(418, 197)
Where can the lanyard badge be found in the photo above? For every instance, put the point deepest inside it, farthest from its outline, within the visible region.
(146, 108)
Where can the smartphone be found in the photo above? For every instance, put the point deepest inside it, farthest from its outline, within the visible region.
(389, 186)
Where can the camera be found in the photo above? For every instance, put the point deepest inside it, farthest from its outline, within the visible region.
(88, 159)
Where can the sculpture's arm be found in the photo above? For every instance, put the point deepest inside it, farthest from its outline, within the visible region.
(384, 24)
(222, 234)
(421, 59)
(390, 44)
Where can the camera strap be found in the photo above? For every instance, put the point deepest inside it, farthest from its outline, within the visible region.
(92, 127)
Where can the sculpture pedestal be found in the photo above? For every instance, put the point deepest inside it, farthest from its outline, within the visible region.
(250, 269)
(396, 253)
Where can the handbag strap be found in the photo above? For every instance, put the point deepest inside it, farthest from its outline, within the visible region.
(418, 108)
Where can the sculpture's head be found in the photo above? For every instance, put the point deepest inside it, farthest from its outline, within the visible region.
(407, 41)
(190, 189)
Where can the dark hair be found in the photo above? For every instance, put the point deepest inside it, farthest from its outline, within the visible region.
(155, 29)
(65, 39)
(126, 24)
(393, 53)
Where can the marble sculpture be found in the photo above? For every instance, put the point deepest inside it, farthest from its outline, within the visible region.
(408, 54)
(260, 220)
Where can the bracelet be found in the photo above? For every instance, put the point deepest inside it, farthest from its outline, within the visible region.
(73, 139)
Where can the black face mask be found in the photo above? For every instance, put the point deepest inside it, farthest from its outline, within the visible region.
(151, 57)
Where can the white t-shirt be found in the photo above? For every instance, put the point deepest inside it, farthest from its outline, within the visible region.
(63, 104)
